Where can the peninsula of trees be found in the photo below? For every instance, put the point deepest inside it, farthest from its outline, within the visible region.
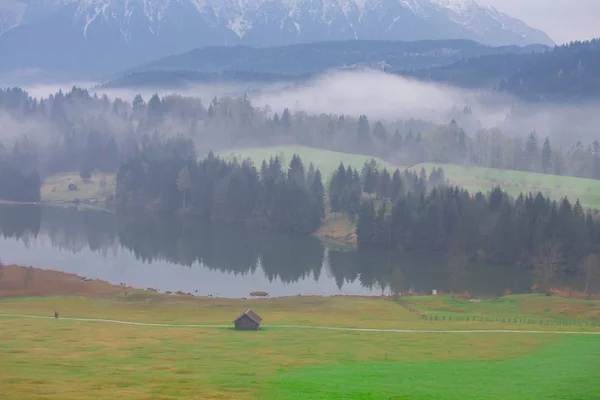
(414, 212)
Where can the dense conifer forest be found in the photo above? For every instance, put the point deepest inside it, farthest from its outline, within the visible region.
(76, 131)
(567, 72)
(406, 210)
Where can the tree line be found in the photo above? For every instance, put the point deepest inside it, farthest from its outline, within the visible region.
(565, 73)
(78, 131)
(18, 180)
(164, 176)
(532, 230)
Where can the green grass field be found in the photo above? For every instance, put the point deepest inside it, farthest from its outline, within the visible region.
(59, 359)
(517, 182)
(55, 188)
(537, 307)
(327, 161)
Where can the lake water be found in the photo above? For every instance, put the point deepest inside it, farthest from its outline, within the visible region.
(227, 261)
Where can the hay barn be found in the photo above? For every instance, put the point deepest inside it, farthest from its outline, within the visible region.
(248, 321)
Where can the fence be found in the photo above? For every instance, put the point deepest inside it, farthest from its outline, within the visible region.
(507, 320)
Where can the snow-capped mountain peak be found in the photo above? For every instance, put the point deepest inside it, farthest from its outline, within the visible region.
(138, 30)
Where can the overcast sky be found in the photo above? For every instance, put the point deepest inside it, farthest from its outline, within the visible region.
(563, 20)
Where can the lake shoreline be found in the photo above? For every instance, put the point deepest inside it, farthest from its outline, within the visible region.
(326, 232)
(27, 281)
(59, 203)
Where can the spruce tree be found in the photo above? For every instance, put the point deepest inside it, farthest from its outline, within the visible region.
(547, 157)
(384, 186)
(379, 132)
(296, 172)
(318, 197)
(365, 227)
(336, 189)
(532, 151)
(397, 140)
(364, 131)
(396, 186)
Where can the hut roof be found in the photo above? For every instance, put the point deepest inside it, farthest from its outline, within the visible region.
(253, 316)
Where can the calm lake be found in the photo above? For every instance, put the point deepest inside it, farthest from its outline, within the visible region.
(227, 261)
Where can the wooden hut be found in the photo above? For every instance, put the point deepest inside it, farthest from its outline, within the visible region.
(248, 321)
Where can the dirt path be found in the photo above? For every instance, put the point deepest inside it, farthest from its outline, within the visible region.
(330, 328)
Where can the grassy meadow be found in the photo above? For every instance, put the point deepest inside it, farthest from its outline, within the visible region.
(538, 307)
(55, 187)
(327, 161)
(517, 182)
(60, 358)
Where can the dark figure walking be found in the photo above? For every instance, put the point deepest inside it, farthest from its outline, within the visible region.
(55, 314)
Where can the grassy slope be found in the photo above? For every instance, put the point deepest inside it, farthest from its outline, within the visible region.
(564, 370)
(327, 161)
(519, 306)
(55, 188)
(516, 182)
(57, 359)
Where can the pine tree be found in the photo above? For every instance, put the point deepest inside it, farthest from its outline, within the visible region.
(578, 209)
(155, 107)
(596, 151)
(318, 195)
(363, 131)
(370, 176)
(286, 120)
(532, 151)
(310, 175)
(365, 227)
(396, 186)
(547, 157)
(354, 195)
(397, 140)
(379, 132)
(337, 185)
(296, 172)
(138, 103)
(184, 183)
(384, 187)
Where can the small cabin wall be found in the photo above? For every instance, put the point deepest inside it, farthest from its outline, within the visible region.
(245, 323)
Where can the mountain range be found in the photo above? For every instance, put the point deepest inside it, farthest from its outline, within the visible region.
(535, 73)
(316, 57)
(100, 36)
(565, 73)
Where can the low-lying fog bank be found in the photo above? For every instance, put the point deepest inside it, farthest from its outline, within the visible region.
(387, 97)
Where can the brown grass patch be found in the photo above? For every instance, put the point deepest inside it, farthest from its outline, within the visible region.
(19, 281)
(569, 293)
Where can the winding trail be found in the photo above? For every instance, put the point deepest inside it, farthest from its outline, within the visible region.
(329, 328)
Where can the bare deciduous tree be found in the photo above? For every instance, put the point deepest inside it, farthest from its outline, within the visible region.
(28, 276)
(591, 270)
(548, 262)
(184, 182)
(397, 281)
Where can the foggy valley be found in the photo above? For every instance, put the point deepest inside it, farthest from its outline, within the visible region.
(292, 199)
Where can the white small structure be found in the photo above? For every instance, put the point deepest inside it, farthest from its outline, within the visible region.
(434, 292)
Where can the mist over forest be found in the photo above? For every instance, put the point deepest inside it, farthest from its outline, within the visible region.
(401, 120)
